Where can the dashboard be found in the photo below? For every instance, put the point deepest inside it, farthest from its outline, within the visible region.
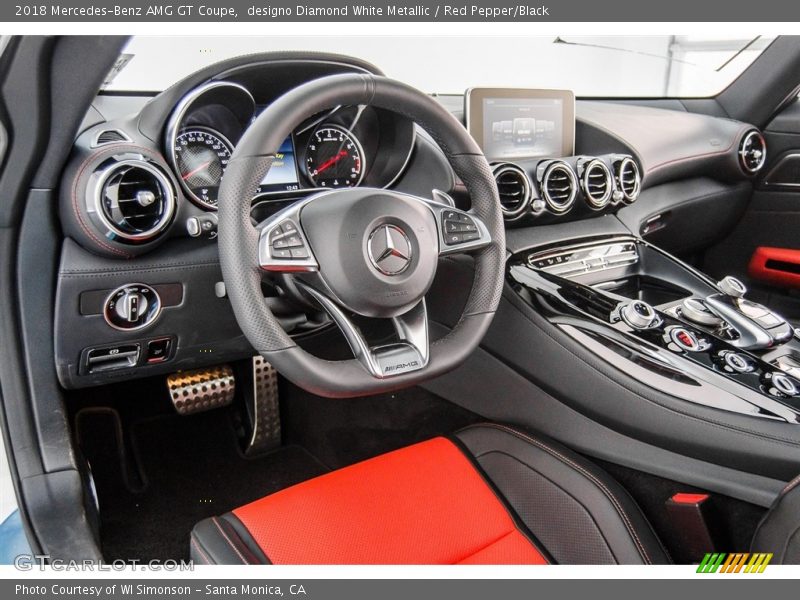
(140, 290)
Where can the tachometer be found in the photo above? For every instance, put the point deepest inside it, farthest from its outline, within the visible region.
(201, 156)
(334, 158)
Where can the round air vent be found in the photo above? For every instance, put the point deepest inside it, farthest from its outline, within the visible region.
(752, 152)
(597, 184)
(514, 189)
(559, 187)
(629, 181)
(135, 200)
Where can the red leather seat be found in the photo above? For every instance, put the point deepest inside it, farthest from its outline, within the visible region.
(489, 495)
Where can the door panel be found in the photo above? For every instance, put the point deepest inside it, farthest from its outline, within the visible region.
(764, 248)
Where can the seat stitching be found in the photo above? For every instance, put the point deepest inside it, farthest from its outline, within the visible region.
(200, 550)
(482, 548)
(628, 525)
(227, 539)
(790, 486)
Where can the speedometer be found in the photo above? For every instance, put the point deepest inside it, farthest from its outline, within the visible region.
(334, 158)
(201, 156)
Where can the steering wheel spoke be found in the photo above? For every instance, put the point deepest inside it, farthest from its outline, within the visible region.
(283, 245)
(408, 354)
(460, 231)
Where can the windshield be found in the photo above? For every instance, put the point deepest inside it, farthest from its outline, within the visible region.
(598, 66)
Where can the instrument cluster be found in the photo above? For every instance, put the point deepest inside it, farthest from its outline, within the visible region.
(345, 146)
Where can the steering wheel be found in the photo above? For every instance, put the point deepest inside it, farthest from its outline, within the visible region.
(372, 252)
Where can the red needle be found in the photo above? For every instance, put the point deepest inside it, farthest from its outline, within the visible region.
(332, 161)
(186, 176)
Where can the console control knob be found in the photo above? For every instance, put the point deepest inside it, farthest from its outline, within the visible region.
(737, 362)
(696, 311)
(639, 314)
(132, 306)
(730, 286)
(784, 384)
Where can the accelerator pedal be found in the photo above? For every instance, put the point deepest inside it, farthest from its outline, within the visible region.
(204, 389)
(263, 409)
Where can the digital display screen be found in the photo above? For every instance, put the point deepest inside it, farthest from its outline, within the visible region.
(523, 127)
(511, 124)
(282, 175)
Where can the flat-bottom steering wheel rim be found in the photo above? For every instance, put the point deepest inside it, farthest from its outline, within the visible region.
(239, 241)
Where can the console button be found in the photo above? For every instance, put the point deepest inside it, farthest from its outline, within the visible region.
(685, 339)
(737, 362)
(639, 314)
(783, 384)
(730, 286)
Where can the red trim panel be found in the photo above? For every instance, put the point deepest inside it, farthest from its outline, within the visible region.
(778, 266)
(424, 504)
(682, 498)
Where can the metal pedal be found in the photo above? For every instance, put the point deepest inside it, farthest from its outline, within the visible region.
(204, 389)
(264, 410)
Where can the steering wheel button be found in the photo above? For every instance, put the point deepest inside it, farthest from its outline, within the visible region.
(299, 253)
(288, 227)
(280, 243)
(293, 241)
(281, 253)
(454, 238)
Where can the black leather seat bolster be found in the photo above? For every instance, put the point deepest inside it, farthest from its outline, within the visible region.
(224, 541)
(779, 530)
(573, 508)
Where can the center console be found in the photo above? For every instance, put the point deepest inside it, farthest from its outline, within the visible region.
(666, 324)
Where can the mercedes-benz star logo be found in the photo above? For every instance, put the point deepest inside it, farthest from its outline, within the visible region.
(389, 250)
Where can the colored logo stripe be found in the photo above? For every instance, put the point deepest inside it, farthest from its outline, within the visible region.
(734, 563)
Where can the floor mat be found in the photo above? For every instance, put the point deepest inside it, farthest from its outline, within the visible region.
(342, 432)
(192, 469)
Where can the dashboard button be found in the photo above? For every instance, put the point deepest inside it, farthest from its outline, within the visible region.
(158, 350)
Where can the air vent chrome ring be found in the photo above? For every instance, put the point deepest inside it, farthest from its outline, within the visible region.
(752, 152)
(514, 188)
(559, 187)
(143, 210)
(629, 180)
(597, 184)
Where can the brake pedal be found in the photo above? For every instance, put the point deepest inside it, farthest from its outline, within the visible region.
(263, 409)
(204, 389)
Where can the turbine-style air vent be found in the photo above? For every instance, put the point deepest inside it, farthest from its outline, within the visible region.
(559, 186)
(597, 184)
(135, 200)
(629, 180)
(752, 152)
(514, 189)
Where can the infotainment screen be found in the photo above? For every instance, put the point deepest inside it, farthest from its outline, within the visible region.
(513, 124)
(282, 175)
